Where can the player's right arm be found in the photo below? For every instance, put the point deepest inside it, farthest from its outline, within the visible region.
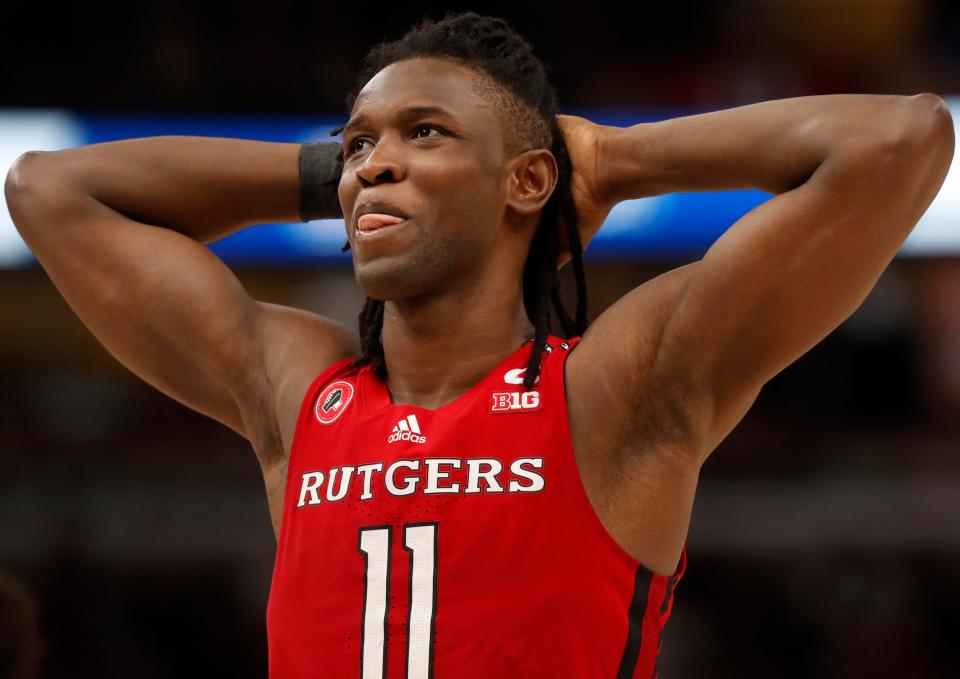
(120, 228)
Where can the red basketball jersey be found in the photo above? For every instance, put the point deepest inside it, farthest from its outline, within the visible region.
(455, 543)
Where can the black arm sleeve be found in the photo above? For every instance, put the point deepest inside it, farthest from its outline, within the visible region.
(320, 168)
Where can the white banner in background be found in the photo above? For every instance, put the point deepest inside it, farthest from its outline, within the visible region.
(23, 130)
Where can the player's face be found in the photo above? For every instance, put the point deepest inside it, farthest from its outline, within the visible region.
(442, 169)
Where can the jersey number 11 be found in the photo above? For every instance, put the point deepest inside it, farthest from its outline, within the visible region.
(420, 540)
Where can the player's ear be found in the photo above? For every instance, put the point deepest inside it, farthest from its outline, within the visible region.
(531, 179)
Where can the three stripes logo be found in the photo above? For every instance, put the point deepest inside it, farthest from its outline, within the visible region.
(407, 429)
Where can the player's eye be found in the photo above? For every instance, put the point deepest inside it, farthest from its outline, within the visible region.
(352, 148)
(429, 127)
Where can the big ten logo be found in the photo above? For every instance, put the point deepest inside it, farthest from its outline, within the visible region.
(514, 401)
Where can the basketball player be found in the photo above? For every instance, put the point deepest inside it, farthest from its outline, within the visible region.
(467, 494)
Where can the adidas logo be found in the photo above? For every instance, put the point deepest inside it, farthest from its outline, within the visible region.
(407, 429)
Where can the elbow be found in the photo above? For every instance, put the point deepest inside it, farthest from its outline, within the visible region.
(935, 112)
(915, 141)
(944, 140)
(34, 191)
(24, 176)
(921, 125)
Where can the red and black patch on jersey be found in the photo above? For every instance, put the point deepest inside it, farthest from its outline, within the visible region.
(333, 401)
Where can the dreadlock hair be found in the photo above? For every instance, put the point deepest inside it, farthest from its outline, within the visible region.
(510, 73)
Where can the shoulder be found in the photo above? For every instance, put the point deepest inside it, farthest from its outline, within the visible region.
(297, 346)
(619, 396)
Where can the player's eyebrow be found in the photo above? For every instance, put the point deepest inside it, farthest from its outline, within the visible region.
(406, 111)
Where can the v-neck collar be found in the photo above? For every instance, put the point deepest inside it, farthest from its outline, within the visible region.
(376, 397)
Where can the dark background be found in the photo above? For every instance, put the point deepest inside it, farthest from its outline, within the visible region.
(825, 539)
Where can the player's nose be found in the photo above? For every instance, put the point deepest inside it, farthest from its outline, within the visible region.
(384, 162)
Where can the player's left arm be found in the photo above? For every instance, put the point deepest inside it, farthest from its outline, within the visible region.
(684, 355)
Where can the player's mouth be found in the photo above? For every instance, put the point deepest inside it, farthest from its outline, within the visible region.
(374, 225)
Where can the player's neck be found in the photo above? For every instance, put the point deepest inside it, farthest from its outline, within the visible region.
(437, 348)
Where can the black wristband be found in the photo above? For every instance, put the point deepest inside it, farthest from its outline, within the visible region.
(320, 167)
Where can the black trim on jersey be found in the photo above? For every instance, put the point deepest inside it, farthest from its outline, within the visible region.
(638, 607)
(668, 593)
(436, 570)
(386, 608)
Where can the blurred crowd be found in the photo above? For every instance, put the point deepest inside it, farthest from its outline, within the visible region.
(288, 56)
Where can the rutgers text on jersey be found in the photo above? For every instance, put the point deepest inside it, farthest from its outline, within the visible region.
(455, 543)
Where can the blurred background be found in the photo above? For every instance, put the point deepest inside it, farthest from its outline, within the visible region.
(134, 534)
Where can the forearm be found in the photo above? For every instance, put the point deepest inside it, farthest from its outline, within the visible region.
(773, 145)
(204, 187)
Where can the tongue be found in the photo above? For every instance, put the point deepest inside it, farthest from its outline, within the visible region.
(374, 221)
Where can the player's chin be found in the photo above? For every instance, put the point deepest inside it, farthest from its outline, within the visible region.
(388, 277)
